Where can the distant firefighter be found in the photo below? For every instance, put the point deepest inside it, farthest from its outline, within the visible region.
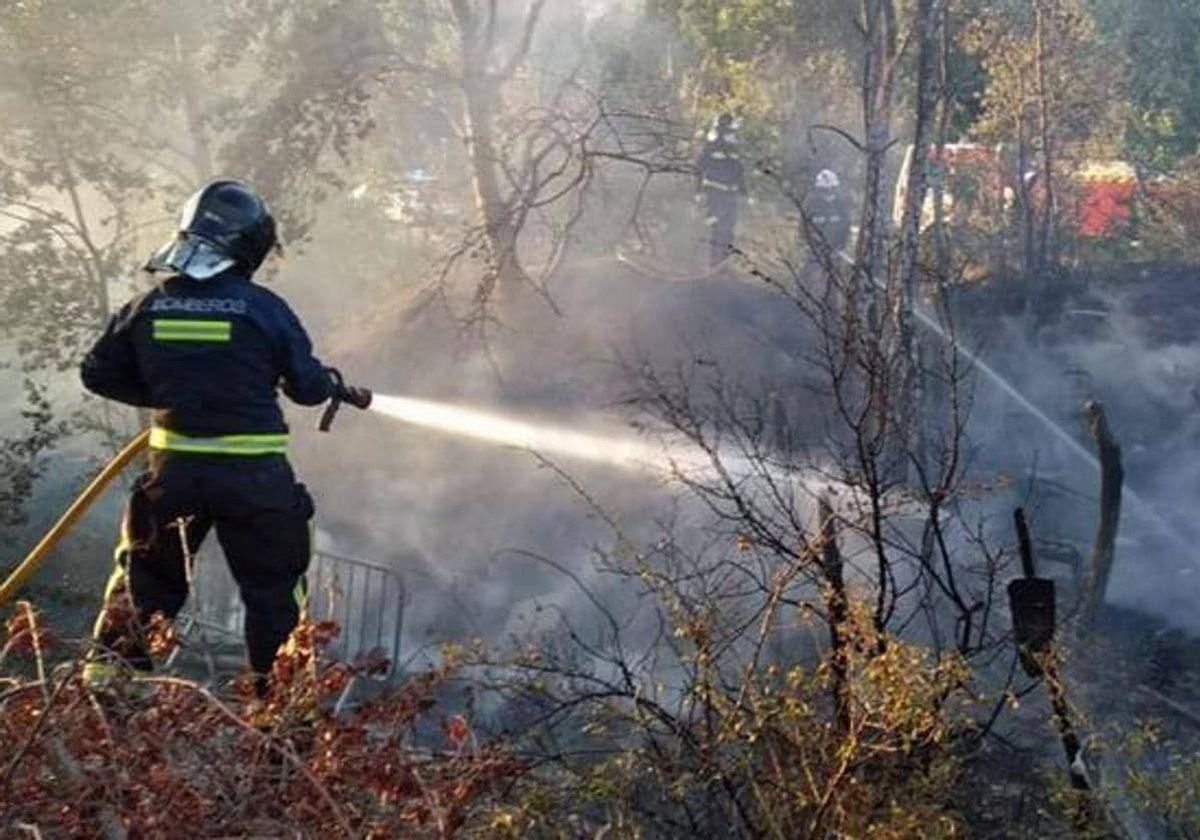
(828, 209)
(720, 182)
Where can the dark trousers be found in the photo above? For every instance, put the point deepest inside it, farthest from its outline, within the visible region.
(722, 209)
(261, 516)
(835, 236)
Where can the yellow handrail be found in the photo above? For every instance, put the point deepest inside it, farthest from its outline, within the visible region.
(77, 509)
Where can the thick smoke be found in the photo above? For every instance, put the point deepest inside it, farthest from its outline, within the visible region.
(1105, 347)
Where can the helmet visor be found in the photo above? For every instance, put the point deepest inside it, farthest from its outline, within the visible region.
(190, 256)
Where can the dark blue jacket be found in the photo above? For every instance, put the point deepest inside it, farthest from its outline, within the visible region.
(830, 213)
(208, 356)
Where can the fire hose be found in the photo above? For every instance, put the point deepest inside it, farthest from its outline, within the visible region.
(358, 397)
(72, 515)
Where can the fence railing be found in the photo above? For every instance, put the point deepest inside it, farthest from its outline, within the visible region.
(366, 600)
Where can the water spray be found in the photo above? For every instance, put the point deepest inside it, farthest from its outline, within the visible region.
(1136, 502)
(490, 427)
(625, 453)
(1008, 388)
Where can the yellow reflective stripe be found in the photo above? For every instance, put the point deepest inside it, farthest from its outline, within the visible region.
(116, 581)
(170, 329)
(223, 445)
(177, 325)
(101, 675)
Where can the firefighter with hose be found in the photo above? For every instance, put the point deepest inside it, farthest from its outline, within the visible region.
(206, 350)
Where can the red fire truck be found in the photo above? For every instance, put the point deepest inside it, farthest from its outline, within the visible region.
(1103, 205)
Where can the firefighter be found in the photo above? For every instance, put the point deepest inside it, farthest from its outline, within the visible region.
(720, 182)
(828, 210)
(206, 350)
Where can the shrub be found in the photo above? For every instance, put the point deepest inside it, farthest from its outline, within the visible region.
(163, 756)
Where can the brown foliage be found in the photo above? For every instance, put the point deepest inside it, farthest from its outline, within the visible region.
(167, 757)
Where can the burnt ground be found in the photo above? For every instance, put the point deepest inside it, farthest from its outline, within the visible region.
(1116, 680)
(1133, 671)
(1129, 338)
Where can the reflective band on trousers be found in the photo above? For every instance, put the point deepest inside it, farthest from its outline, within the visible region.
(222, 445)
(717, 185)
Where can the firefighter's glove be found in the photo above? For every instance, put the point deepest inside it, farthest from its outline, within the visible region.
(356, 396)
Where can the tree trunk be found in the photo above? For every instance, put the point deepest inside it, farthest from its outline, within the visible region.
(927, 23)
(928, 16)
(879, 72)
(199, 150)
(941, 245)
(1028, 235)
(1044, 130)
(482, 86)
(481, 94)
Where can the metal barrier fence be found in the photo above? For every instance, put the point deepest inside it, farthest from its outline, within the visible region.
(366, 600)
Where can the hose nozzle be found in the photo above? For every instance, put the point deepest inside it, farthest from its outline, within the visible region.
(356, 396)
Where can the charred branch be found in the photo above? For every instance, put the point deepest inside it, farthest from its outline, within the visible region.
(1112, 476)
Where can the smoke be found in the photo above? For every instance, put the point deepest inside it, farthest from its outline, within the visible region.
(1160, 374)
(1098, 347)
(444, 494)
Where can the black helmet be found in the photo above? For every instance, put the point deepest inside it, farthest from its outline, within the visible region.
(224, 224)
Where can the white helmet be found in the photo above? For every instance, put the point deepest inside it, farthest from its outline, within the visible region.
(827, 179)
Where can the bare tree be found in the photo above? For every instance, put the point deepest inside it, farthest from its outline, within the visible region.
(483, 77)
(929, 17)
(551, 158)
